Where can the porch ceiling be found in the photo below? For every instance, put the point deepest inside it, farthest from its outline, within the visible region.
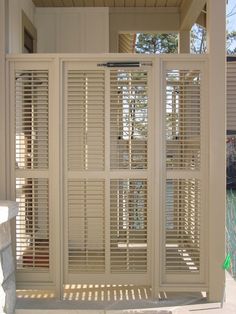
(108, 3)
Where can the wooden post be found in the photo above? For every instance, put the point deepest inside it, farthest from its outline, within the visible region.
(217, 153)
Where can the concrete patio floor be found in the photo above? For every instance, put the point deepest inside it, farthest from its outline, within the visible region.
(188, 303)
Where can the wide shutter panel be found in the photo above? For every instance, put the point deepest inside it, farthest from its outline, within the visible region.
(231, 95)
(85, 134)
(86, 229)
(31, 166)
(128, 226)
(128, 119)
(183, 216)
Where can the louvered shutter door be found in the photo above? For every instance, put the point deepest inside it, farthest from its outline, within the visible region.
(31, 171)
(84, 173)
(231, 95)
(128, 120)
(128, 226)
(183, 231)
(106, 226)
(129, 151)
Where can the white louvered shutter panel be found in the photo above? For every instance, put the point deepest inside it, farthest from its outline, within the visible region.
(85, 137)
(32, 164)
(128, 119)
(129, 151)
(183, 120)
(231, 95)
(128, 226)
(85, 154)
(86, 229)
(183, 231)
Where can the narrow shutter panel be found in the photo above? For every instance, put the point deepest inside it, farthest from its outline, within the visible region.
(32, 224)
(183, 204)
(128, 226)
(182, 234)
(31, 90)
(85, 134)
(86, 229)
(183, 119)
(129, 116)
(32, 161)
(231, 95)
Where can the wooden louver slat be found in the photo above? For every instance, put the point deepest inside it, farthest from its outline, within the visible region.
(183, 119)
(85, 118)
(32, 224)
(128, 226)
(31, 119)
(129, 119)
(86, 234)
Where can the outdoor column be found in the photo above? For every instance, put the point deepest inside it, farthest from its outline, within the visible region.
(2, 101)
(217, 152)
(184, 42)
(8, 210)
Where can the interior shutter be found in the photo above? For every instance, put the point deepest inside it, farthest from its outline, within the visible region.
(183, 236)
(31, 170)
(128, 151)
(129, 115)
(85, 134)
(128, 226)
(84, 179)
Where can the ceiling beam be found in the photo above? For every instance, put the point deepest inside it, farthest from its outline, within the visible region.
(189, 13)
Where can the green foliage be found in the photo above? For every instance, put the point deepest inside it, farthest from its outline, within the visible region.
(156, 43)
(231, 42)
(198, 39)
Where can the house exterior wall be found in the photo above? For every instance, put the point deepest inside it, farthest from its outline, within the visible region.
(141, 19)
(15, 8)
(74, 30)
(231, 94)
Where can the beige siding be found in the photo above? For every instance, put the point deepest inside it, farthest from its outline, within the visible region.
(231, 95)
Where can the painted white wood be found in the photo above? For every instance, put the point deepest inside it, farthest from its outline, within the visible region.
(199, 176)
(190, 11)
(2, 99)
(95, 30)
(46, 25)
(217, 125)
(184, 42)
(62, 30)
(156, 142)
(50, 175)
(15, 22)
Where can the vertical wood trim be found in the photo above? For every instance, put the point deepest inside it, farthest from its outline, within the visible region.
(156, 177)
(3, 80)
(107, 173)
(217, 121)
(184, 42)
(54, 170)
